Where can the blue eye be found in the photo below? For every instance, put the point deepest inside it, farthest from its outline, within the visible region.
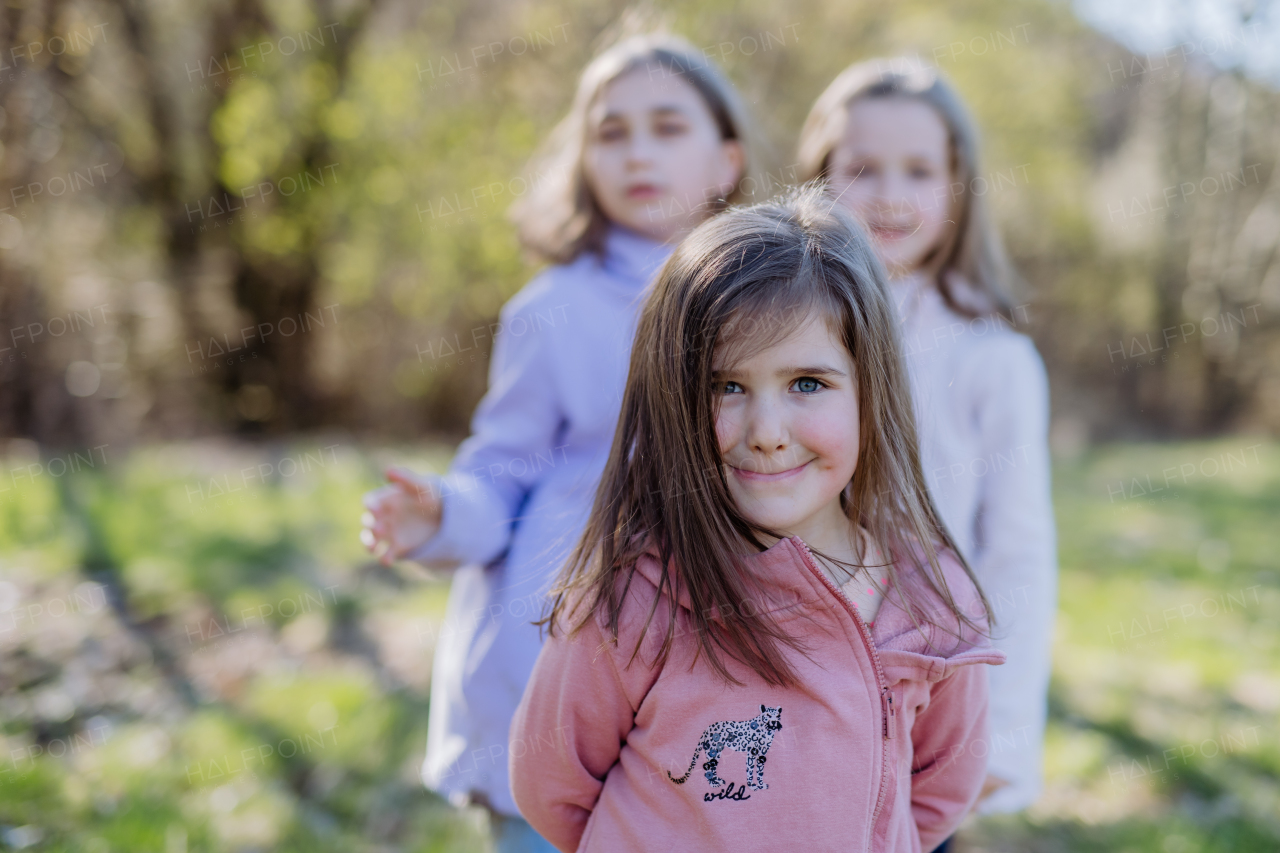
(807, 385)
(730, 388)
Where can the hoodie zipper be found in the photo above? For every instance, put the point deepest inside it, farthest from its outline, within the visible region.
(888, 714)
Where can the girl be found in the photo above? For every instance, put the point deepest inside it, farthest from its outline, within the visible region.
(764, 639)
(901, 153)
(654, 142)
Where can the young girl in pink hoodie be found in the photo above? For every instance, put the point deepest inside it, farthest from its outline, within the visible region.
(766, 638)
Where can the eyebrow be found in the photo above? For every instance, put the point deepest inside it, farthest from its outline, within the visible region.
(784, 372)
(664, 109)
(810, 371)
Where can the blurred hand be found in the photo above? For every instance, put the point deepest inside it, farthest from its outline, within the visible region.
(400, 516)
(991, 785)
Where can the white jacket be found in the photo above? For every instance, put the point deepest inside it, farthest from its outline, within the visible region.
(982, 406)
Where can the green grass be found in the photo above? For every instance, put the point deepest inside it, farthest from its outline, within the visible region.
(1166, 679)
(196, 655)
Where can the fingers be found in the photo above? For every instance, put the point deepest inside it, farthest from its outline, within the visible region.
(378, 540)
(374, 500)
(385, 510)
(389, 552)
(404, 477)
(371, 533)
(379, 547)
(415, 485)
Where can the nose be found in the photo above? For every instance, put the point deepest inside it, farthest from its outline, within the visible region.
(640, 150)
(893, 193)
(767, 434)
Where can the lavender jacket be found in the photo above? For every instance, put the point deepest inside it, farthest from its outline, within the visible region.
(518, 494)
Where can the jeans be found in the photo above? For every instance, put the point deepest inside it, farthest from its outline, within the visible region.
(515, 835)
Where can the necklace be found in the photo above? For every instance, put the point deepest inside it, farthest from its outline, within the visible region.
(840, 572)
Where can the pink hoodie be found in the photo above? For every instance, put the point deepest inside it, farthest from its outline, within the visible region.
(881, 747)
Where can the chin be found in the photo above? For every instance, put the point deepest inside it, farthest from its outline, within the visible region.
(901, 266)
(783, 521)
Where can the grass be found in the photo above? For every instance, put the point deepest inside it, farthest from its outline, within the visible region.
(195, 655)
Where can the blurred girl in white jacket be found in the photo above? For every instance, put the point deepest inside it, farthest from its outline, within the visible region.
(898, 148)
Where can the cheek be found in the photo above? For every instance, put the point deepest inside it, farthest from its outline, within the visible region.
(936, 213)
(601, 173)
(727, 428)
(856, 197)
(694, 164)
(833, 435)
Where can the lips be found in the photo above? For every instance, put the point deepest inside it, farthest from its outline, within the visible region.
(643, 192)
(763, 477)
(890, 233)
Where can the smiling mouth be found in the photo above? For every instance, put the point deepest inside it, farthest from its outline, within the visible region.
(758, 477)
(643, 191)
(892, 232)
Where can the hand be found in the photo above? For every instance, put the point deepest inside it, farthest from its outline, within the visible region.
(400, 516)
(990, 785)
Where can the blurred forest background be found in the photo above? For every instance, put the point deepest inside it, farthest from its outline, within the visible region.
(249, 253)
(266, 217)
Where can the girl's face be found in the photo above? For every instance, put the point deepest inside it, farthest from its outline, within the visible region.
(788, 430)
(892, 171)
(654, 155)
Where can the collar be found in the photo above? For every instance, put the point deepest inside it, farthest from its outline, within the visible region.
(631, 259)
(790, 584)
(910, 293)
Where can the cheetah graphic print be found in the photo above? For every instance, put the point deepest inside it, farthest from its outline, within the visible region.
(750, 737)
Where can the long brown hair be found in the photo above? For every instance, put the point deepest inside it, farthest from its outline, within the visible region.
(559, 218)
(745, 279)
(972, 246)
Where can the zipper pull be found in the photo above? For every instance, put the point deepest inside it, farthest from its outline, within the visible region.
(889, 713)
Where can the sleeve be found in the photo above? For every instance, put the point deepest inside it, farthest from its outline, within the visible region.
(948, 776)
(1015, 560)
(519, 418)
(568, 731)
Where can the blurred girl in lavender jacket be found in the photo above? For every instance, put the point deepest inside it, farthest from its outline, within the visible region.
(654, 143)
(900, 151)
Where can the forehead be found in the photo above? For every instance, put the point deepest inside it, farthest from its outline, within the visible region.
(645, 89)
(893, 126)
(807, 339)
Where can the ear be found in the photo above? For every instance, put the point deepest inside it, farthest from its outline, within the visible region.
(733, 164)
